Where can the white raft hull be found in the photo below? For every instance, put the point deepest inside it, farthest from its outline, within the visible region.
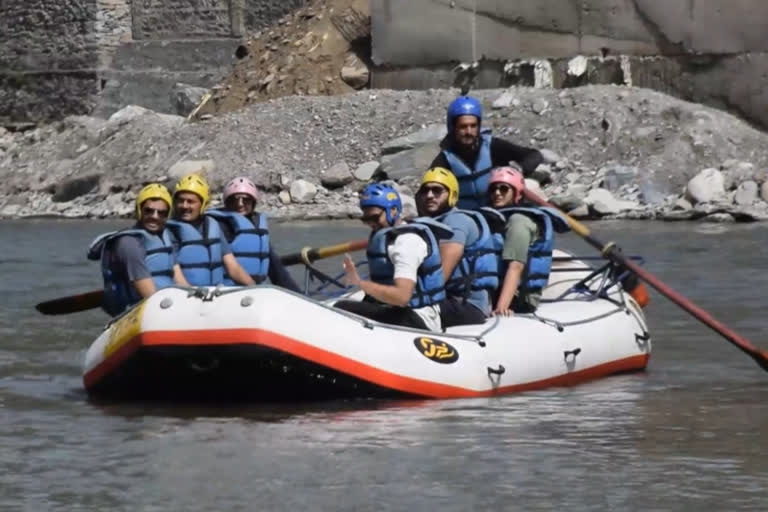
(267, 343)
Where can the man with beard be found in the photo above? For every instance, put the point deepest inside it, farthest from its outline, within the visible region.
(471, 152)
(138, 261)
(406, 278)
(247, 233)
(202, 252)
(469, 264)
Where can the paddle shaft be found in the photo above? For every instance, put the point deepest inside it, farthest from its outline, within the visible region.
(323, 252)
(94, 299)
(610, 251)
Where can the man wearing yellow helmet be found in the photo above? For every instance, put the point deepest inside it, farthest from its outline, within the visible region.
(137, 262)
(471, 152)
(202, 252)
(470, 269)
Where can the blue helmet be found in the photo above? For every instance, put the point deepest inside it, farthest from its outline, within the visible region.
(463, 106)
(384, 197)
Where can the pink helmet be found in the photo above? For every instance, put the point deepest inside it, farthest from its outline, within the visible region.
(241, 185)
(510, 176)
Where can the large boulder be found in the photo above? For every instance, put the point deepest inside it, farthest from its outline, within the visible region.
(303, 191)
(69, 189)
(503, 101)
(566, 202)
(535, 187)
(185, 98)
(409, 163)
(366, 170)
(354, 72)
(602, 202)
(431, 134)
(746, 193)
(736, 172)
(705, 187)
(764, 191)
(337, 176)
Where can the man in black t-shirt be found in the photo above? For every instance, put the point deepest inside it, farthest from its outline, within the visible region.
(470, 153)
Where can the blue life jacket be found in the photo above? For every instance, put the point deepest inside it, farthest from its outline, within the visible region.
(429, 287)
(199, 254)
(478, 268)
(119, 292)
(539, 263)
(249, 243)
(473, 182)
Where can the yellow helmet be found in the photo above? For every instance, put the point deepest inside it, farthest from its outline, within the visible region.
(444, 177)
(152, 191)
(196, 184)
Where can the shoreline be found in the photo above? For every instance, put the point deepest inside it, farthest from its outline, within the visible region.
(610, 152)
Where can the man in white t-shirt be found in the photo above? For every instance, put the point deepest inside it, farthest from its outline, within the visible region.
(406, 284)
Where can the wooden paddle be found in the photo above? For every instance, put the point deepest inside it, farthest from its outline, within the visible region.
(308, 254)
(72, 304)
(611, 252)
(94, 299)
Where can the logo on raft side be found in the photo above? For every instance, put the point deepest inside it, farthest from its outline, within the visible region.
(435, 350)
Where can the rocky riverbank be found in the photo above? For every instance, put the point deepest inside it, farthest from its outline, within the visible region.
(611, 152)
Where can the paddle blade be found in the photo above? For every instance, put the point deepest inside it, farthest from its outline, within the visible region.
(72, 304)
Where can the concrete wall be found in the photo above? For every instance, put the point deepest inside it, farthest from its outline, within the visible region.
(62, 57)
(47, 48)
(704, 50)
(178, 19)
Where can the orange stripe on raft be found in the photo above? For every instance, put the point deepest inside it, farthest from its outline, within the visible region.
(355, 368)
(111, 363)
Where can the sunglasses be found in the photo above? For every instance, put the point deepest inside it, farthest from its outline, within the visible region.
(371, 218)
(436, 190)
(247, 200)
(150, 212)
(502, 189)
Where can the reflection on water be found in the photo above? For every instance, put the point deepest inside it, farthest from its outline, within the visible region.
(686, 434)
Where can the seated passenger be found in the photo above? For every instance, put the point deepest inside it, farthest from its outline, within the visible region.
(247, 233)
(526, 246)
(406, 283)
(138, 261)
(202, 253)
(470, 268)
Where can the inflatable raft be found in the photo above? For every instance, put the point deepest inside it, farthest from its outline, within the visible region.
(266, 343)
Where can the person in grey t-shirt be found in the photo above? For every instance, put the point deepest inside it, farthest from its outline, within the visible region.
(138, 261)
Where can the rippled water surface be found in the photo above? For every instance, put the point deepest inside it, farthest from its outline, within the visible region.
(687, 434)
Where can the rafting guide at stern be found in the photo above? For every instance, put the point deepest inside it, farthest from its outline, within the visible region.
(470, 152)
(138, 261)
(202, 252)
(406, 286)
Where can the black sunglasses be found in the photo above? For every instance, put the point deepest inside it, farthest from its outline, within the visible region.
(371, 218)
(437, 190)
(149, 212)
(240, 199)
(503, 189)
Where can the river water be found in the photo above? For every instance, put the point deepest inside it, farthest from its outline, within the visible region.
(686, 434)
